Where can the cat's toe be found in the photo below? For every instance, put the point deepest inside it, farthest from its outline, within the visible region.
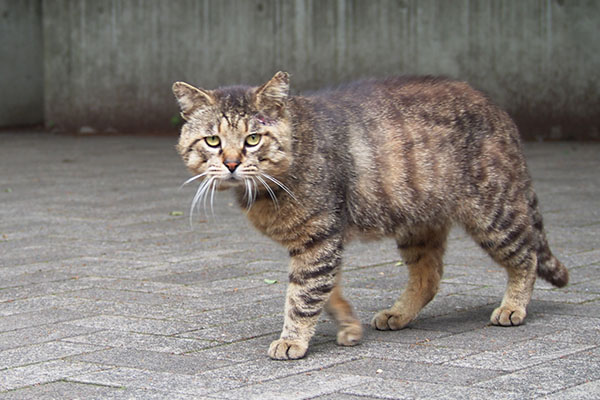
(286, 349)
(388, 320)
(508, 316)
(350, 335)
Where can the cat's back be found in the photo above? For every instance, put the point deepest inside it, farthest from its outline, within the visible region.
(408, 91)
(415, 116)
(418, 107)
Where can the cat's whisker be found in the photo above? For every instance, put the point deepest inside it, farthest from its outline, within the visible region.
(271, 193)
(249, 193)
(281, 185)
(212, 196)
(205, 195)
(193, 178)
(255, 189)
(200, 196)
(251, 190)
(195, 201)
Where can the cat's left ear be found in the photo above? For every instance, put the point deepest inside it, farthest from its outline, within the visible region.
(272, 96)
(191, 99)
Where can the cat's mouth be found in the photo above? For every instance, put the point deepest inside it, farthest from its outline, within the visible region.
(225, 178)
(233, 177)
(230, 181)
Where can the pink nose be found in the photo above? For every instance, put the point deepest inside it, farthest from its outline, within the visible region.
(231, 164)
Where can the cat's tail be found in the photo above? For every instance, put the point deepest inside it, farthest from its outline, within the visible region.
(548, 266)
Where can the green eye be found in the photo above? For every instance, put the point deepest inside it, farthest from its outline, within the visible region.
(252, 140)
(213, 141)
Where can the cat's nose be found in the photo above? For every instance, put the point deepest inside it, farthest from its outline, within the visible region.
(231, 164)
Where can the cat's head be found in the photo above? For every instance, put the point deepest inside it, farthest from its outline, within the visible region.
(236, 136)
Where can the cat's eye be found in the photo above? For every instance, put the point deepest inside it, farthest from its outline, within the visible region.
(252, 140)
(212, 141)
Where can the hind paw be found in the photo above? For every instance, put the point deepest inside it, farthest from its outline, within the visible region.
(508, 316)
(350, 334)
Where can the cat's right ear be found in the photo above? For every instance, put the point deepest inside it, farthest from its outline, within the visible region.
(272, 96)
(191, 99)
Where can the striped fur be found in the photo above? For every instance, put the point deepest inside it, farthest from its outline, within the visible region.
(402, 157)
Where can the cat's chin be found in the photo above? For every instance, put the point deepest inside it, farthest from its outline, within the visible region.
(226, 184)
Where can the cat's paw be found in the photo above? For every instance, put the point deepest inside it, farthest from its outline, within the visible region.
(508, 316)
(349, 335)
(387, 320)
(286, 349)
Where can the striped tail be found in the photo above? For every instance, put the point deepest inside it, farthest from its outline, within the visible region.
(548, 266)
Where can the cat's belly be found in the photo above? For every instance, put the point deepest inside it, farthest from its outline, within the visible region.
(365, 234)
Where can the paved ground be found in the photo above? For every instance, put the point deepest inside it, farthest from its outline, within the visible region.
(106, 291)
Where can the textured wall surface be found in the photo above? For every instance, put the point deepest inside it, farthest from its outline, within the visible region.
(110, 64)
(21, 98)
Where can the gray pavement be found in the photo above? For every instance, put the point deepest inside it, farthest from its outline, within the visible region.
(107, 292)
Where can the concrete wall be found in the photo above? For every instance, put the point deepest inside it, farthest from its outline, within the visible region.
(109, 65)
(21, 97)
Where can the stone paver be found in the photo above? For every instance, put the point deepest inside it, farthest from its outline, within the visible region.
(106, 291)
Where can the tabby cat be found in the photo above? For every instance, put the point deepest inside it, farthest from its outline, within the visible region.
(402, 157)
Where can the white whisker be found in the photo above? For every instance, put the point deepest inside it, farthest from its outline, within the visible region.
(281, 185)
(200, 193)
(212, 196)
(271, 193)
(205, 195)
(255, 189)
(193, 178)
(249, 193)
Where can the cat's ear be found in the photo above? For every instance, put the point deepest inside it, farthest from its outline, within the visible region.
(191, 99)
(272, 96)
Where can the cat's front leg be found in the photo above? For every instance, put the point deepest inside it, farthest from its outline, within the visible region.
(311, 280)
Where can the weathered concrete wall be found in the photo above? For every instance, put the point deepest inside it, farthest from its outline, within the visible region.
(21, 75)
(110, 65)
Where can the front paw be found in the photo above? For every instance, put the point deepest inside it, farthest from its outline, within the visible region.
(287, 349)
(387, 320)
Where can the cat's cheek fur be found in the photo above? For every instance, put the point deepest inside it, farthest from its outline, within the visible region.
(195, 162)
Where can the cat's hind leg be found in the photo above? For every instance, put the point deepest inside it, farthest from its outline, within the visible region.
(509, 236)
(515, 251)
(512, 310)
(349, 327)
(423, 255)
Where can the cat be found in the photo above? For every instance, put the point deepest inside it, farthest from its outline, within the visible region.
(404, 157)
